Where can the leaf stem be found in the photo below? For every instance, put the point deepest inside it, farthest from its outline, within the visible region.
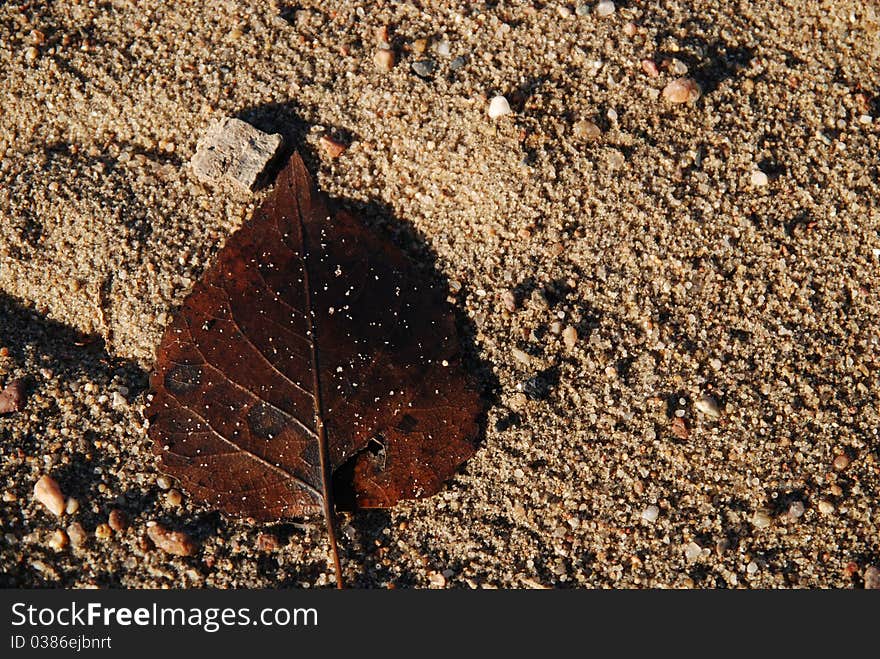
(303, 187)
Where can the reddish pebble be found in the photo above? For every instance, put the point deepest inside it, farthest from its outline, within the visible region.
(12, 397)
(47, 492)
(679, 428)
(267, 542)
(650, 68)
(872, 578)
(682, 90)
(332, 147)
(117, 520)
(841, 462)
(172, 542)
(384, 59)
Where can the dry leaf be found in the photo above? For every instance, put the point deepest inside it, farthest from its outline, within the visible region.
(311, 358)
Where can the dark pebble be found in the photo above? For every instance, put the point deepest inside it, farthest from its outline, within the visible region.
(423, 68)
(536, 387)
(457, 63)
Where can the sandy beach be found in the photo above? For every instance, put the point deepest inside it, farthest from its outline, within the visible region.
(665, 258)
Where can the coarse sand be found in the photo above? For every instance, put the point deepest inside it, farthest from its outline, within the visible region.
(673, 307)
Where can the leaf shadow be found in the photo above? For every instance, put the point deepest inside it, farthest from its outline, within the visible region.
(45, 352)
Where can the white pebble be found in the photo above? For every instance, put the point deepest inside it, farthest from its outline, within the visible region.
(521, 356)
(605, 8)
(650, 514)
(759, 179)
(796, 509)
(752, 567)
(761, 520)
(708, 406)
(692, 551)
(443, 49)
(47, 492)
(826, 507)
(498, 107)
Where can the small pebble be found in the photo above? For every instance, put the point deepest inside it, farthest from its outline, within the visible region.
(117, 520)
(556, 327)
(795, 509)
(679, 428)
(569, 337)
(12, 397)
(31, 55)
(383, 58)
(443, 48)
(267, 542)
(535, 388)
(752, 567)
(77, 534)
(759, 179)
(582, 10)
(508, 299)
(650, 68)
(173, 498)
(682, 90)
(47, 492)
(163, 482)
(826, 507)
(457, 63)
(172, 542)
(419, 46)
(872, 578)
(332, 147)
(761, 520)
(605, 8)
(498, 107)
(103, 532)
(616, 160)
(423, 67)
(58, 541)
(437, 580)
(692, 551)
(586, 130)
(708, 406)
(841, 462)
(677, 67)
(650, 514)
(72, 506)
(521, 356)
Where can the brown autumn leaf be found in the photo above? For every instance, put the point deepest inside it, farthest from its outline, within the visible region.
(312, 356)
